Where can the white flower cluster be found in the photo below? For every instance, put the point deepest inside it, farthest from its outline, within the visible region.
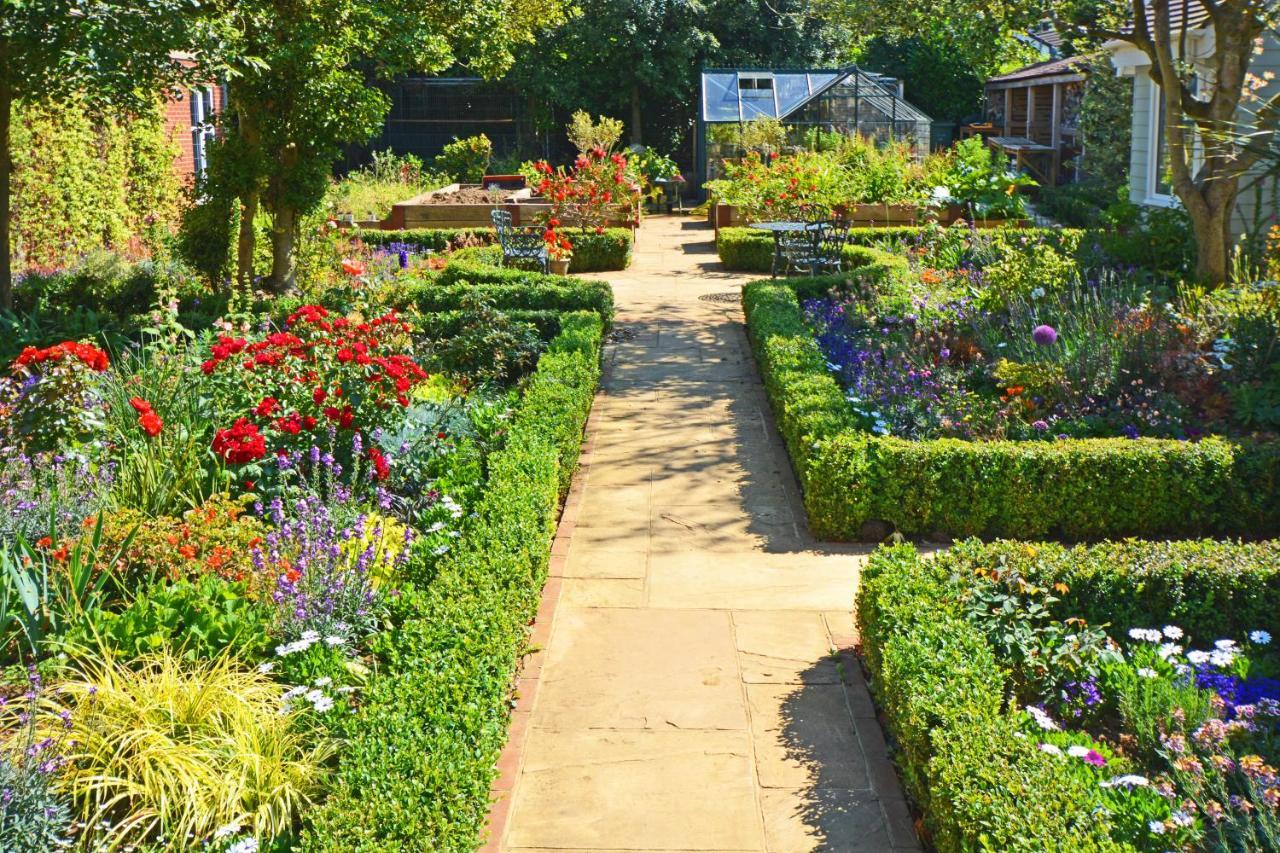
(313, 694)
(1042, 718)
(304, 642)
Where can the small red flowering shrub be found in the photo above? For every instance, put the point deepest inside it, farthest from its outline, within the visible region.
(48, 399)
(588, 194)
(291, 386)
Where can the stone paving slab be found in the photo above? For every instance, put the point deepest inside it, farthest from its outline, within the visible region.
(697, 689)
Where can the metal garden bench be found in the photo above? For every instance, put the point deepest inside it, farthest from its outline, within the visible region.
(520, 243)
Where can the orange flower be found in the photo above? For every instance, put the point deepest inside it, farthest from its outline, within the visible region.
(44, 541)
(188, 551)
(352, 268)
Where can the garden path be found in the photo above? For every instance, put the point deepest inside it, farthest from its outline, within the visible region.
(695, 689)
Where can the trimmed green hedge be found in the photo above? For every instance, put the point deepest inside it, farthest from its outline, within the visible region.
(592, 252)
(942, 688)
(751, 250)
(1074, 489)
(422, 748)
(512, 290)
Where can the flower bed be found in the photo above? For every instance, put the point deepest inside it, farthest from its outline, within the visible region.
(1019, 722)
(272, 582)
(856, 481)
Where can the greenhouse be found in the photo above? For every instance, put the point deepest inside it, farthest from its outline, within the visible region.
(816, 105)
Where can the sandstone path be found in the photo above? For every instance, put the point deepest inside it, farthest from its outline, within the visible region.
(694, 691)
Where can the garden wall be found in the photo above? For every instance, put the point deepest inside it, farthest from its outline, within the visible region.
(859, 485)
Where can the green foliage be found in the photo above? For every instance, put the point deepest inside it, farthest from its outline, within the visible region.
(750, 250)
(588, 135)
(1079, 489)
(982, 786)
(83, 183)
(423, 744)
(1106, 125)
(979, 178)
(511, 289)
(194, 620)
(466, 160)
(489, 347)
(370, 191)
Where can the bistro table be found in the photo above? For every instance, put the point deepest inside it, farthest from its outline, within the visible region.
(777, 229)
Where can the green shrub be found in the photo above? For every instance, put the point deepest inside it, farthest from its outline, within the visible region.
(591, 252)
(422, 748)
(1077, 489)
(750, 250)
(980, 786)
(1209, 589)
(511, 289)
(466, 160)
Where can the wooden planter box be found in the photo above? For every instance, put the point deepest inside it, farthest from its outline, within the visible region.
(859, 215)
(525, 209)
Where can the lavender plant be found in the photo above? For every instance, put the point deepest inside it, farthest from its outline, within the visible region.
(50, 494)
(34, 815)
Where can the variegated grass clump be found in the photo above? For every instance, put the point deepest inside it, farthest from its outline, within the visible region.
(179, 753)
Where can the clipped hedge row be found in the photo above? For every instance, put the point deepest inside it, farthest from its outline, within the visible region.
(748, 250)
(592, 252)
(422, 748)
(510, 290)
(980, 786)
(941, 686)
(1074, 489)
(751, 250)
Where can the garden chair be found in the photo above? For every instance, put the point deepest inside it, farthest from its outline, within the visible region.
(830, 238)
(798, 250)
(520, 244)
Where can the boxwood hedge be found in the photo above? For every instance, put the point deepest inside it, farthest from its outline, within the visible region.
(592, 252)
(420, 752)
(508, 290)
(1073, 489)
(942, 688)
(751, 250)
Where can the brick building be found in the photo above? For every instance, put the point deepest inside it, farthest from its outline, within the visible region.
(189, 119)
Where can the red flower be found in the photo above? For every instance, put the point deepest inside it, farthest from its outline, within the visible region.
(140, 405)
(381, 470)
(44, 542)
(266, 407)
(151, 423)
(240, 444)
(318, 396)
(352, 268)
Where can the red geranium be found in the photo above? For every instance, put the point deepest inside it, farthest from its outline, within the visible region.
(89, 355)
(151, 423)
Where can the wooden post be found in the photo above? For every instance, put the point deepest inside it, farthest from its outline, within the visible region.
(1055, 137)
(1031, 112)
(1008, 113)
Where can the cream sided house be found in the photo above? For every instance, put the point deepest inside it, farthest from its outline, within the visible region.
(1259, 198)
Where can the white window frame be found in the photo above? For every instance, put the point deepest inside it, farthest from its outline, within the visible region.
(1152, 194)
(203, 130)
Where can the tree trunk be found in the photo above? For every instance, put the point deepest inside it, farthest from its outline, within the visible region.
(6, 203)
(284, 235)
(246, 239)
(636, 116)
(1211, 225)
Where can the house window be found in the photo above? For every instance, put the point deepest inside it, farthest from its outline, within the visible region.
(1159, 181)
(202, 127)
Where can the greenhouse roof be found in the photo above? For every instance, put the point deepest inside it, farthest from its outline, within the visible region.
(742, 94)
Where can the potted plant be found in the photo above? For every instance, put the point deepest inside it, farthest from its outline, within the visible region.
(559, 248)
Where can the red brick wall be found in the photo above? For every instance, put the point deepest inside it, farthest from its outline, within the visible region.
(178, 120)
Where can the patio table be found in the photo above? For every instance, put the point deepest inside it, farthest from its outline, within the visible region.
(777, 229)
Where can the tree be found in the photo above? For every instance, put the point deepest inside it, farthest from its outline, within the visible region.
(640, 59)
(113, 52)
(1217, 127)
(301, 84)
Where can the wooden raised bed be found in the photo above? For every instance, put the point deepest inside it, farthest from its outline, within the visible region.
(877, 216)
(425, 211)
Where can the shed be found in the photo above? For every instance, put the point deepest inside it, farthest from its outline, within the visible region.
(1034, 113)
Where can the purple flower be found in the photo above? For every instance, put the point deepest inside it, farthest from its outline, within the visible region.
(1040, 426)
(1130, 431)
(1044, 335)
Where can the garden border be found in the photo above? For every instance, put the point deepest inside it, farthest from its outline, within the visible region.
(423, 747)
(854, 481)
(609, 251)
(941, 686)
